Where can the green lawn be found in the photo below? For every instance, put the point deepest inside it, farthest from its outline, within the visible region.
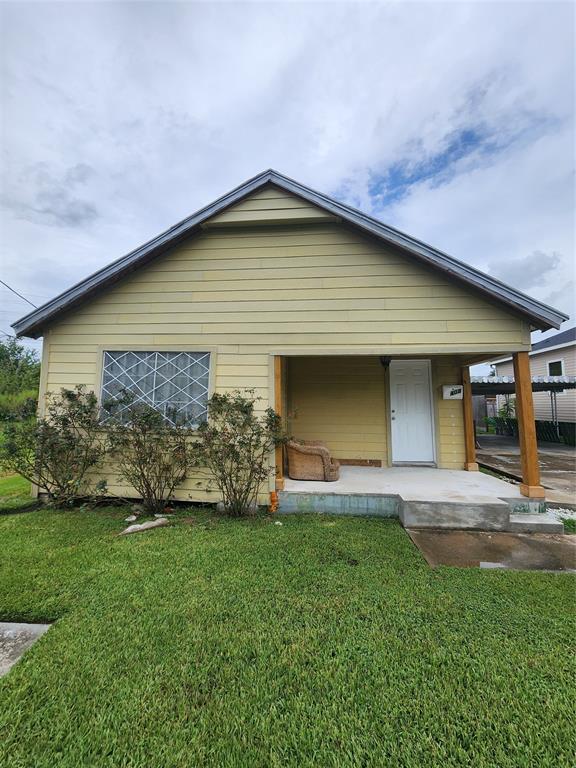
(14, 492)
(319, 642)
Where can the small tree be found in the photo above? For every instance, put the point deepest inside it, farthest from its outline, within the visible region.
(153, 454)
(19, 379)
(56, 451)
(235, 445)
(508, 408)
(19, 368)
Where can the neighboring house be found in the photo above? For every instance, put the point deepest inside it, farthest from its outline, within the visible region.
(353, 330)
(554, 356)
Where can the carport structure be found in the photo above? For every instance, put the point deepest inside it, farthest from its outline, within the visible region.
(522, 384)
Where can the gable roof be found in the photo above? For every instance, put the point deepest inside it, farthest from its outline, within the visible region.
(540, 315)
(565, 337)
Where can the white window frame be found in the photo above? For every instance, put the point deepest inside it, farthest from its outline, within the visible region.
(198, 348)
(560, 360)
(551, 362)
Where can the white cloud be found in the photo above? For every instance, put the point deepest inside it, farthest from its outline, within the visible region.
(169, 105)
(499, 215)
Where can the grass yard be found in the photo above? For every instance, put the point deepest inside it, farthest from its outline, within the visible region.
(319, 642)
(14, 492)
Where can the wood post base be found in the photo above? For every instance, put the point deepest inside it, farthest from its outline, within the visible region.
(532, 491)
(279, 483)
(471, 466)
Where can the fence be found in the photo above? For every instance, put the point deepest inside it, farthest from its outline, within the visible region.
(545, 430)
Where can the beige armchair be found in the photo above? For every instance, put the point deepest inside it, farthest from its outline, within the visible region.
(309, 460)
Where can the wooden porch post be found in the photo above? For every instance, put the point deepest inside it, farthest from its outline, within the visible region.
(279, 408)
(526, 428)
(469, 436)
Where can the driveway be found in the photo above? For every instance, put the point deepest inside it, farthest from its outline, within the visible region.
(495, 549)
(15, 638)
(557, 464)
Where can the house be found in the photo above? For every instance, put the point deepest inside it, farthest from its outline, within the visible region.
(554, 356)
(358, 334)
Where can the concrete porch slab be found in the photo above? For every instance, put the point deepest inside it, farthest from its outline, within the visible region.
(15, 639)
(414, 484)
(422, 497)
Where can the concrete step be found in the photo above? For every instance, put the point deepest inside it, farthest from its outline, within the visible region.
(539, 523)
(486, 516)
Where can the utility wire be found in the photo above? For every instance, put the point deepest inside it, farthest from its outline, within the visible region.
(18, 294)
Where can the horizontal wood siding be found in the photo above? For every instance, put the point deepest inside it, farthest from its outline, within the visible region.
(449, 415)
(254, 289)
(270, 205)
(340, 401)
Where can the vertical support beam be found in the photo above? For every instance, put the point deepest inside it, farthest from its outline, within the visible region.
(526, 428)
(279, 408)
(469, 436)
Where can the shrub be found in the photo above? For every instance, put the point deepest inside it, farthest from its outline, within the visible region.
(508, 409)
(153, 455)
(235, 445)
(56, 451)
(19, 368)
(19, 406)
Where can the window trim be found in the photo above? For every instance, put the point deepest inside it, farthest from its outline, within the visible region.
(551, 362)
(102, 348)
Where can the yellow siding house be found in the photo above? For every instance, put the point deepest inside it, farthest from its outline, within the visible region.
(352, 330)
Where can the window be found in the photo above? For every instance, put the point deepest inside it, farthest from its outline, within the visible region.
(174, 383)
(556, 368)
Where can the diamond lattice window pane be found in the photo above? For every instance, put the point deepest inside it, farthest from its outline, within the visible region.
(175, 383)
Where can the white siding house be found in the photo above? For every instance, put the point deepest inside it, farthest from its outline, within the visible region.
(555, 356)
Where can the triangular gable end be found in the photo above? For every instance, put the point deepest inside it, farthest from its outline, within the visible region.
(239, 205)
(270, 205)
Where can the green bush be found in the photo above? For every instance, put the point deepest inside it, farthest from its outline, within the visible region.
(152, 454)
(508, 409)
(19, 368)
(56, 451)
(235, 445)
(18, 406)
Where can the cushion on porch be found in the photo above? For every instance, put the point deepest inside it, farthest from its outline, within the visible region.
(309, 460)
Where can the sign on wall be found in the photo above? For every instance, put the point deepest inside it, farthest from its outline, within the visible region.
(452, 391)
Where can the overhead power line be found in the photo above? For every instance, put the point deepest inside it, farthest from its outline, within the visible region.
(18, 294)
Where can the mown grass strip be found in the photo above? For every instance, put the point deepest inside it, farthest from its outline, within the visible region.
(320, 642)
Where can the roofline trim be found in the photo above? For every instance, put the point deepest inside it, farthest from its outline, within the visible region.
(538, 351)
(541, 315)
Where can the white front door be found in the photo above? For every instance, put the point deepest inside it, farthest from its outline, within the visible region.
(411, 412)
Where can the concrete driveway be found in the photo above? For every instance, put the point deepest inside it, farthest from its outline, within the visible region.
(557, 464)
(15, 639)
(482, 549)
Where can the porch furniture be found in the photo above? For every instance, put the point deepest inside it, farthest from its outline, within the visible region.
(309, 460)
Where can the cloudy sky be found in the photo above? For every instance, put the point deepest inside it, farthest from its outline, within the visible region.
(452, 121)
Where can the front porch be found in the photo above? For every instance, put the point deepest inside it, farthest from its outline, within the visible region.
(421, 497)
(378, 413)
